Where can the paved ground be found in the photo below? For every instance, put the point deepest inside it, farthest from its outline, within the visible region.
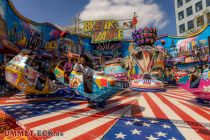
(131, 115)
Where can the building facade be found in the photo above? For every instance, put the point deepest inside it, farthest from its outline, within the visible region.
(191, 15)
(188, 49)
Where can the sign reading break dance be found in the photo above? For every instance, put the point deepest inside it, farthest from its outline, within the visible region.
(104, 30)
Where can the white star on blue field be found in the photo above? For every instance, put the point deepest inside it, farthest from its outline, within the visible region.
(130, 128)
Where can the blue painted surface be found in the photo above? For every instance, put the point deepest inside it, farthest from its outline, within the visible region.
(201, 40)
(36, 109)
(148, 90)
(144, 128)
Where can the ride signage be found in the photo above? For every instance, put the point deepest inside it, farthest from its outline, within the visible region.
(103, 30)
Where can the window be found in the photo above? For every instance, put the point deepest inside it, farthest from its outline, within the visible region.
(198, 6)
(189, 11)
(190, 24)
(179, 3)
(187, 1)
(200, 20)
(181, 15)
(181, 28)
(207, 3)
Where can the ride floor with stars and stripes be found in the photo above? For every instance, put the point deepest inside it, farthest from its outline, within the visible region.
(170, 115)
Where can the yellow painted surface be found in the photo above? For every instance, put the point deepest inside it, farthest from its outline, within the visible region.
(22, 84)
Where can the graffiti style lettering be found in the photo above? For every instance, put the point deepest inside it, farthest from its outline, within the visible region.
(120, 34)
(88, 26)
(103, 30)
(107, 35)
(111, 25)
(100, 25)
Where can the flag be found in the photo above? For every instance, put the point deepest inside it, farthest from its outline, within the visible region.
(7, 124)
(143, 128)
(134, 21)
(73, 119)
(21, 98)
(130, 115)
(167, 115)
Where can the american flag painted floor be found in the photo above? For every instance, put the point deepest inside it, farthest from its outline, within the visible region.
(170, 115)
(7, 124)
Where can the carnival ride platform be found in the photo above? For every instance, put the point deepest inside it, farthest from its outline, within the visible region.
(173, 114)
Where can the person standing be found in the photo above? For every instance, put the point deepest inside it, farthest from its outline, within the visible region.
(68, 67)
(85, 66)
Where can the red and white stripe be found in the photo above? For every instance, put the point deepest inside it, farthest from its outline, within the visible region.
(160, 106)
(82, 122)
(20, 98)
(182, 92)
(184, 96)
(177, 97)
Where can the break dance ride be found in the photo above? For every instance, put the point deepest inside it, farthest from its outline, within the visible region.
(145, 56)
(25, 73)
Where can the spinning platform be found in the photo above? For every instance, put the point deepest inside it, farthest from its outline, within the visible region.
(129, 115)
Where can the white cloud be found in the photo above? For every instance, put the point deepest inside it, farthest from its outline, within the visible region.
(149, 13)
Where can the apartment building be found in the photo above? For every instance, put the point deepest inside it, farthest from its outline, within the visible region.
(191, 15)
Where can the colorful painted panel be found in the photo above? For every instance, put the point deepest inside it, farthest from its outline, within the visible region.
(30, 75)
(11, 77)
(195, 47)
(114, 70)
(59, 74)
(76, 81)
(3, 31)
(24, 33)
(103, 30)
(100, 84)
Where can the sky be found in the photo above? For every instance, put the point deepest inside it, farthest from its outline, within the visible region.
(158, 13)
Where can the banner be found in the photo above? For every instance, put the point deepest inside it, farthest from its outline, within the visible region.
(103, 30)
